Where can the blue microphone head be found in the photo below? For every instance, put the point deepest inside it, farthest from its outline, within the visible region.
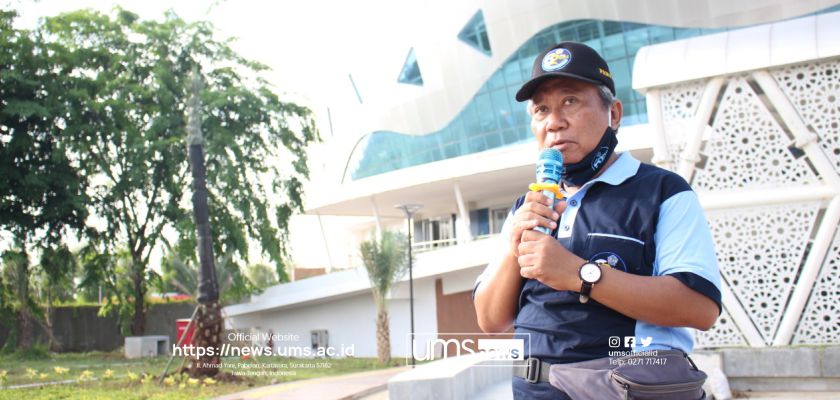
(550, 166)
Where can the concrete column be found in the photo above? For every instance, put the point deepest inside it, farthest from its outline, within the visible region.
(330, 266)
(691, 153)
(463, 228)
(377, 217)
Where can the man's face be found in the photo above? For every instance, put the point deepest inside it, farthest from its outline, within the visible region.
(568, 115)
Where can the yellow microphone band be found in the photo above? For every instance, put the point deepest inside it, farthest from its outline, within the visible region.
(551, 187)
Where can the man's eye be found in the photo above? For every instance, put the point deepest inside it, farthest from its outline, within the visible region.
(541, 109)
(570, 100)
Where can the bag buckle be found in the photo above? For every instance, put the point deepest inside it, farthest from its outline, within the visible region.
(532, 373)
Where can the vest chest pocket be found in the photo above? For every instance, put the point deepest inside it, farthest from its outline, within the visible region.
(620, 252)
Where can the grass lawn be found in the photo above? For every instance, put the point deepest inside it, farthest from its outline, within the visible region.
(100, 375)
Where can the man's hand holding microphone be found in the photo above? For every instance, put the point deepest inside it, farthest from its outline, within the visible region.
(539, 255)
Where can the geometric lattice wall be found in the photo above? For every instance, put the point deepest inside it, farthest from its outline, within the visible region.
(759, 252)
(748, 147)
(820, 323)
(762, 150)
(814, 90)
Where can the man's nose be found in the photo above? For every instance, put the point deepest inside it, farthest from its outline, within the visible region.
(555, 121)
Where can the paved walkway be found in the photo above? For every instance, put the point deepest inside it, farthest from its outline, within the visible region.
(351, 386)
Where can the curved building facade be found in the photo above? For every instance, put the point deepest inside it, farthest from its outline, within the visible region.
(491, 118)
(739, 97)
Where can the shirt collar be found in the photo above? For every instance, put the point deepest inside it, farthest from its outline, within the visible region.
(622, 169)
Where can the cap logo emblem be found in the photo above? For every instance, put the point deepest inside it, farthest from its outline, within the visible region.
(556, 59)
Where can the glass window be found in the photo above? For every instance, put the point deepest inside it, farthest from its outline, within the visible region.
(686, 33)
(493, 140)
(452, 150)
(479, 222)
(544, 41)
(613, 48)
(587, 32)
(501, 108)
(661, 34)
(635, 39)
(512, 73)
(497, 80)
(568, 34)
(611, 28)
(471, 125)
(621, 76)
(595, 44)
(497, 219)
(525, 134)
(474, 33)
(709, 31)
(509, 136)
(486, 113)
(411, 70)
(477, 144)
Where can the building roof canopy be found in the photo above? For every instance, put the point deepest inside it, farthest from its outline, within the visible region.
(758, 47)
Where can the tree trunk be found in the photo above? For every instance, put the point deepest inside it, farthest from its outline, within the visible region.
(383, 337)
(207, 335)
(54, 345)
(138, 325)
(26, 333)
(24, 317)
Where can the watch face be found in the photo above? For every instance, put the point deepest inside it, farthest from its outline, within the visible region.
(590, 273)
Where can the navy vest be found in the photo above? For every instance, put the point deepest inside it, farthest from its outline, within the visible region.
(616, 224)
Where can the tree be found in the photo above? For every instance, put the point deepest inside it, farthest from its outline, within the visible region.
(58, 266)
(261, 275)
(182, 276)
(41, 191)
(386, 262)
(17, 298)
(113, 272)
(125, 86)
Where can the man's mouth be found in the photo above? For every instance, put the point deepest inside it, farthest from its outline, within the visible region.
(561, 146)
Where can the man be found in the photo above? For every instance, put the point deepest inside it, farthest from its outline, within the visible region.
(630, 257)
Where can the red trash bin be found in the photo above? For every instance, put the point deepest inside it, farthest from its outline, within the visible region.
(182, 326)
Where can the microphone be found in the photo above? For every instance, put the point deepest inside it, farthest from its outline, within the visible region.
(549, 171)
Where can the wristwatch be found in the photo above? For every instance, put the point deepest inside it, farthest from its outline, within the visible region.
(590, 274)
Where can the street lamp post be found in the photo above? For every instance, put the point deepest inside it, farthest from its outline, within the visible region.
(409, 210)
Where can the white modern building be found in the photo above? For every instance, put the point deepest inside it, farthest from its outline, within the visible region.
(742, 98)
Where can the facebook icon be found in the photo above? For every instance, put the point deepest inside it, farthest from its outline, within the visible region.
(629, 341)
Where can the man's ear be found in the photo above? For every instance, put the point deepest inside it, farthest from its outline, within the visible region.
(615, 113)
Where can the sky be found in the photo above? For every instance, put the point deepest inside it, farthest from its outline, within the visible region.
(310, 46)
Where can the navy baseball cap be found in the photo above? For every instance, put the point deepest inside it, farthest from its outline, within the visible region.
(571, 60)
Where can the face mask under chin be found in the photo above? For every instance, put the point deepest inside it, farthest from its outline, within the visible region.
(584, 170)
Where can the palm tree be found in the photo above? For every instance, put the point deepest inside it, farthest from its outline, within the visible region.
(386, 263)
(181, 275)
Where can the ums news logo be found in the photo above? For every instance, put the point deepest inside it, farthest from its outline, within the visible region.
(429, 347)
